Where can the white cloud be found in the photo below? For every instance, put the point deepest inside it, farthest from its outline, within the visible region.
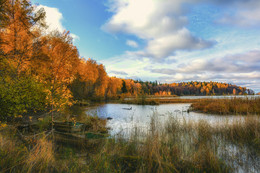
(160, 23)
(248, 63)
(75, 37)
(119, 73)
(54, 20)
(163, 24)
(181, 40)
(132, 43)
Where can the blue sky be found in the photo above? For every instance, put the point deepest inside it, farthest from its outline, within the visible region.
(165, 40)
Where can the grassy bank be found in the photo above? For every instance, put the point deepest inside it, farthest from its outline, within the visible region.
(234, 106)
(155, 100)
(177, 146)
(140, 102)
(158, 101)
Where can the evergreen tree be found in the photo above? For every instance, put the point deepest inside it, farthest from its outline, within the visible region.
(123, 89)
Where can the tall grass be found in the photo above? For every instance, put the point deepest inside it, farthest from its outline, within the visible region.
(173, 146)
(246, 133)
(234, 106)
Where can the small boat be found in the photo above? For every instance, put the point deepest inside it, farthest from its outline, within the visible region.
(76, 131)
(109, 118)
(127, 108)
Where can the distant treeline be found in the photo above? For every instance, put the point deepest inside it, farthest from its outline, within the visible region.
(193, 88)
(43, 71)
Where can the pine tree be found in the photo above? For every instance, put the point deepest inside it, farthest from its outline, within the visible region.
(123, 89)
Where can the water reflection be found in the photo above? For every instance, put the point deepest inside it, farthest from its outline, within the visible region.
(125, 119)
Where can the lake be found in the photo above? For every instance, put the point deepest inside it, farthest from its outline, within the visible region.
(125, 117)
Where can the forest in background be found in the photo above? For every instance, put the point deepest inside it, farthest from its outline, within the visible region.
(43, 71)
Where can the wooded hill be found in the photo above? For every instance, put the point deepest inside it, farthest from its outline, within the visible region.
(194, 88)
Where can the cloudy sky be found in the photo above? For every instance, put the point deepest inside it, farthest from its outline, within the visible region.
(165, 40)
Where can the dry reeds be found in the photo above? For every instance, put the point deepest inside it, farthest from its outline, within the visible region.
(41, 157)
(234, 106)
(177, 146)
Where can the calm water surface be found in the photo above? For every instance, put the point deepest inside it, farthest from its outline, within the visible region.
(125, 117)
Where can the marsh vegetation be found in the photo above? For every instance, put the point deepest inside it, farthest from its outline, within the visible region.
(233, 106)
(173, 145)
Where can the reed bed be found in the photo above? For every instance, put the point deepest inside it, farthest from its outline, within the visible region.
(175, 146)
(234, 106)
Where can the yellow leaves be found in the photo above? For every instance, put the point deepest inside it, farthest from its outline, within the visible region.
(40, 119)
(74, 121)
(88, 70)
(2, 125)
(18, 116)
(163, 93)
(137, 88)
(234, 91)
(59, 96)
(70, 103)
(62, 60)
(16, 38)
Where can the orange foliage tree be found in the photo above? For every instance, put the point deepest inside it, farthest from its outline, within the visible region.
(114, 87)
(20, 34)
(56, 67)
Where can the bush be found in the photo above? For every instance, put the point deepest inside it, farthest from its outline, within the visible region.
(20, 96)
